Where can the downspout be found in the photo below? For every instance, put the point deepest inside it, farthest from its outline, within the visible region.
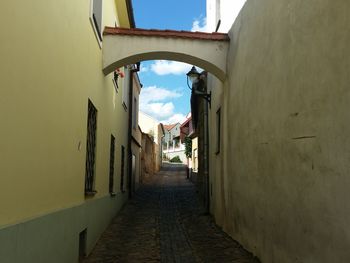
(131, 95)
(206, 157)
(206, 148)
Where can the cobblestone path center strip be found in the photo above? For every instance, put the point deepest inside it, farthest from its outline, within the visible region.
(164, 222)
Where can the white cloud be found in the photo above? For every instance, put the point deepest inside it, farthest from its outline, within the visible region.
(175, 118)
(200, 25)
(143, 68)
(154, 93)
(164, 67)
(158, 110)
(155, 102)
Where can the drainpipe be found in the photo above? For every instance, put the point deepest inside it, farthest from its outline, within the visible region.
(132, 70)
(206, 150)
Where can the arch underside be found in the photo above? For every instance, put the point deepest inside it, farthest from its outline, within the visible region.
(120, 50)
(207, 66)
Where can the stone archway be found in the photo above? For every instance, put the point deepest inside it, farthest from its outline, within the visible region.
(123, 46)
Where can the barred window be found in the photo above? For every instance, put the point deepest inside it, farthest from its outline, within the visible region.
(90, 149)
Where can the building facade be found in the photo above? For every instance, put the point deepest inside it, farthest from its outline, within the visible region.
(63, 139)
(172, 144)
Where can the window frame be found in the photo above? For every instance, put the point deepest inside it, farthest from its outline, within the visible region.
(97, 31)
(115, 81)
(91, 143)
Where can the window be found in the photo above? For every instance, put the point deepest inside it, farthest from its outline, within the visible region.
(126, 87)
(218, 130)
(122, 167)
(111, 165)
(96, 18)
(115, 80)
(90, 149)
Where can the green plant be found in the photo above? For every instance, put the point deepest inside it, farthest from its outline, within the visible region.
(175, 159)
(188, 147)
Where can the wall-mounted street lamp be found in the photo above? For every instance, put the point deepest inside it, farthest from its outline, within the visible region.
(198, 85)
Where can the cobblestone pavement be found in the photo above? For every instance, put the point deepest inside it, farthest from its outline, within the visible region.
(165, 223)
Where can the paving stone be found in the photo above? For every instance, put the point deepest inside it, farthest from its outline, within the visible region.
(164, 222)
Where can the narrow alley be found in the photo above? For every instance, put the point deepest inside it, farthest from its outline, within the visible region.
(165, 223)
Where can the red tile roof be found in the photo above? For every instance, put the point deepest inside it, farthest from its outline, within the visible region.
(186, 121)
(169, 127)
(166, 33)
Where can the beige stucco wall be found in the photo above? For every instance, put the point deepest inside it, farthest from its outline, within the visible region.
(51, 64)
(284, 188)
(149, 125)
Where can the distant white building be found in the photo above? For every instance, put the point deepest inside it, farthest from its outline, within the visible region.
(152, 127)
(222, 13)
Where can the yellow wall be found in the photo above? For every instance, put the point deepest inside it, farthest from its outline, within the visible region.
(51, 64)
(122, 14)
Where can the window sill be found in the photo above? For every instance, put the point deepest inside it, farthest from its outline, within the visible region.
(90, 193)
(112, 194)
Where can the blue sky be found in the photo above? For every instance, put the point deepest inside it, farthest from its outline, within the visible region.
(165, 94)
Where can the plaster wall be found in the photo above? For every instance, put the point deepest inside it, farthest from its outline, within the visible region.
(54, 237)
(285, 144)
(51, 64)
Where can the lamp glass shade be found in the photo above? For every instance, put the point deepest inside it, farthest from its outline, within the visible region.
(193, 74)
